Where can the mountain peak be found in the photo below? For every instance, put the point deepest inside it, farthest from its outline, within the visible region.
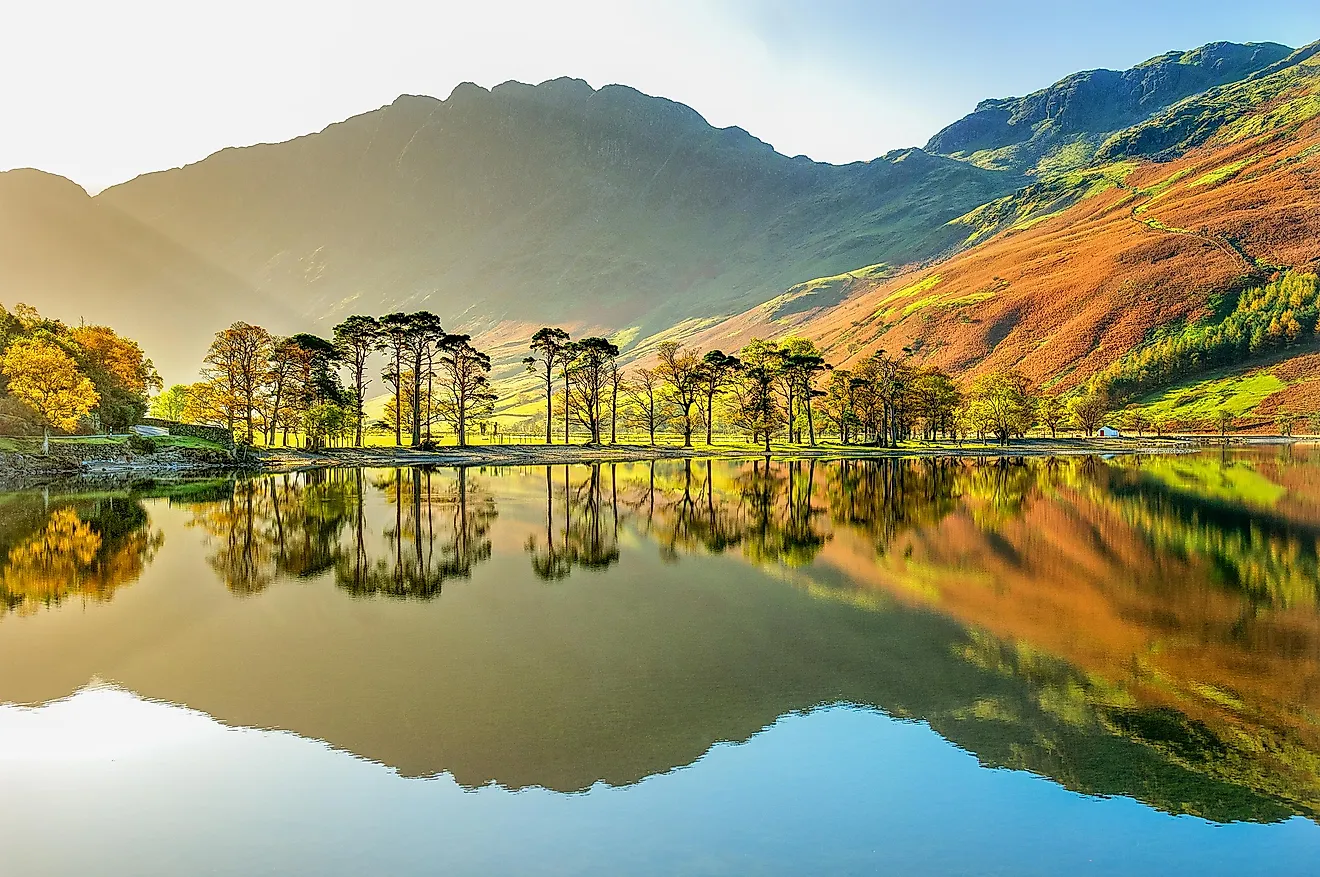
(1080, 111)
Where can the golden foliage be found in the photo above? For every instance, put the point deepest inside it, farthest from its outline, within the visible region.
(45, 377)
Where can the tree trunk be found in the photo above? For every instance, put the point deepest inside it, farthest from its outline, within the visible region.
(811, 423)
(430, 387)
(789, 412)
(359, 409)
(614, 413)
(710, 415)
(398, 399)
(549, 402)
(417, 401)
(45, 442)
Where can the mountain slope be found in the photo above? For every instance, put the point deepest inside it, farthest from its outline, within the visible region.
(80, 260)
(1063, 290)
(1062, 126)
(553, 202)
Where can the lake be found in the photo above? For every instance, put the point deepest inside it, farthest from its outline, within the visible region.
(1003, 666)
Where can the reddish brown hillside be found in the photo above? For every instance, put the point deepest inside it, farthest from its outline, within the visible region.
(1063, 296)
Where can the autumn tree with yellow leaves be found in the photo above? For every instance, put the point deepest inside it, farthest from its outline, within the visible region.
(46, 378)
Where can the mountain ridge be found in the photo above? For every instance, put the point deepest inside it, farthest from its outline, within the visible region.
(557, 201)
(609, 210)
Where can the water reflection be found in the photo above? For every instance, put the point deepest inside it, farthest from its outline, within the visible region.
(1138, 626)
(70, 546)
(303, 525)
(586, 532)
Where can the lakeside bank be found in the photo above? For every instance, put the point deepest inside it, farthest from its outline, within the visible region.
(119, 461)
(290, 459)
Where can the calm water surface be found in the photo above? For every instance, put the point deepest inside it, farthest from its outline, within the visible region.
(859, 667)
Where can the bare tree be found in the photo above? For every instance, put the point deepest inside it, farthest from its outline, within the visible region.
(236, 365)
(680, 370)
(466, 387)
(643, 392)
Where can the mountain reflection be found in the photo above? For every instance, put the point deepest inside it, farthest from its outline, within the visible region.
(1139, 626)
(54, 549)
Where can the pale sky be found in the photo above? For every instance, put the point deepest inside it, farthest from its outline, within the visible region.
(103, 91)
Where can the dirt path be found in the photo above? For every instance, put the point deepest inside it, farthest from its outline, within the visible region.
(1225, 245)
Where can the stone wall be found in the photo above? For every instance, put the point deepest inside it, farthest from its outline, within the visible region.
(219, 435)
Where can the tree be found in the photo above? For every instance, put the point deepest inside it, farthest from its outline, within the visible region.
(589, 375)
(1225, 420)
(355, 339)
(718, 371)
(286, 361)
(643, 391)
(680, 371)
(1286, 423)
(403, 414)
(325, 423)
(838, 402)
(934, 399)
(1003, 404)
(170, 404)
(466, 387)
(393, 341)
(314, 380)
(235, 365)
(203, 406)
(120, 371)
(758, 410)
(45, 377)
(552, 347)
(423, 332)
(1090, 410)
(801, 362)
(1050, 413)
(615, 378)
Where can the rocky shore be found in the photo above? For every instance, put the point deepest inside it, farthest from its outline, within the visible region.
(114, 460)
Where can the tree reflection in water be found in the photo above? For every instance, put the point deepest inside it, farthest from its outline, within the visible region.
(441, 530)
(1142, 626)
(306, 524)
(581, 523)
(54, 549)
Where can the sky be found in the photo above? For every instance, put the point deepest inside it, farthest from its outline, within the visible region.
(101, 92)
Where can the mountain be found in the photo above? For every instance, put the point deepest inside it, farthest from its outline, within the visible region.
(77, 258)
(1056, 233)
(554, 202)
(1062, 127)
(1162, 228)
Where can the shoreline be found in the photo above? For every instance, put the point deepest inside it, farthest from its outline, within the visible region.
(18, 471)
(292, 459)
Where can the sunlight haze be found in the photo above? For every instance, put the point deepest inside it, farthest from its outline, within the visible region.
(101, 93)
